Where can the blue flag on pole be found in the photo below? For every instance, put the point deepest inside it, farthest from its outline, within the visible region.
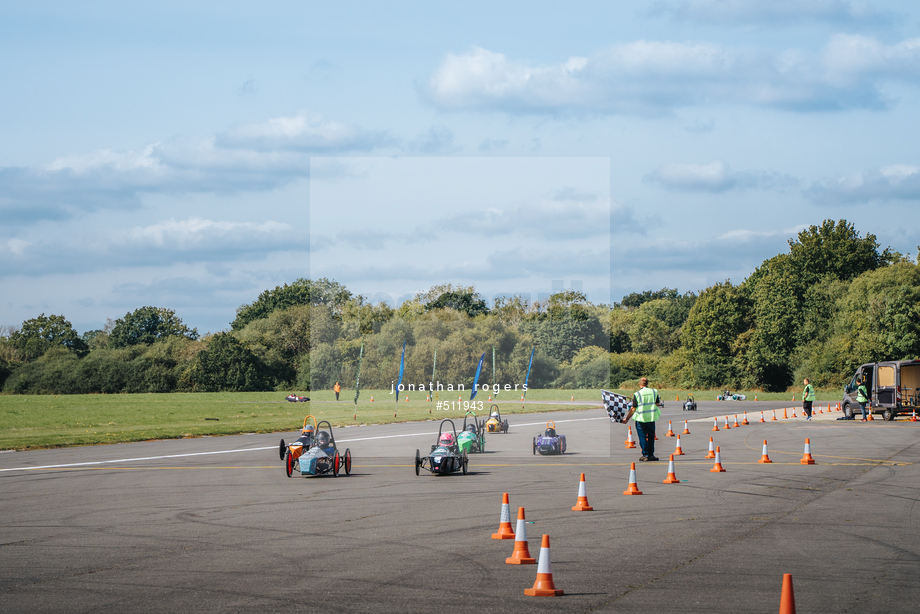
(476, 379)
(402, 365)
(527, 379)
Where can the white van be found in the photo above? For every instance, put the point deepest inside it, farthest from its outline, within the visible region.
(893, 386)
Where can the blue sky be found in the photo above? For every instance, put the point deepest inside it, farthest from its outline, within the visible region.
(161, 155)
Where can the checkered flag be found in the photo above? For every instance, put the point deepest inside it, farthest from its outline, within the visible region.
(618, 407)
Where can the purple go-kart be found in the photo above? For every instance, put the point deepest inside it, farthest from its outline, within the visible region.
(549, 442)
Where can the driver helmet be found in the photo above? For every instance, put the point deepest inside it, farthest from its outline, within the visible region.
(323, 439)
(494, 414)
(471, 428)
(446, 439)
(550, 432)
(307, 430)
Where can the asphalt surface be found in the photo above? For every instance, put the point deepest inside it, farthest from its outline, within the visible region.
(214, 524)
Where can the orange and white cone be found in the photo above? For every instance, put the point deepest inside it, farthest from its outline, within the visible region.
(869, 417)
(633, 488)
(712, 450)
(715, 423)
(765, 458)
(744, 421)
(504, 523)
(372, 398)
(913, 415)
(774, 416)
(671, 479)
(725, 426)
(629, 440)
(521, 554)
(785, 415)
(544, 586)
(717, 467)
(793, 413)
(761, 417)
(686, 428)
(670, 433)
(787, 597)
(806, 458)
(581, 505)
(677, 449)
(736, 425)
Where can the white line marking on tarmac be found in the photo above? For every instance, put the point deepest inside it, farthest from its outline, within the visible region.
(165, 456)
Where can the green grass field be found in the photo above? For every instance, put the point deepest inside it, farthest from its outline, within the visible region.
(29, 421)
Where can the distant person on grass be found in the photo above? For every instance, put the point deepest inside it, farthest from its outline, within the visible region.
(646, 403)
(808, 397)
(337, 389)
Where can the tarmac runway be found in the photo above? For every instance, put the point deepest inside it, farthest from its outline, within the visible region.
(214, 524)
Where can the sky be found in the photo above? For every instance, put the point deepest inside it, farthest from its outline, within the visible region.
(192, 157)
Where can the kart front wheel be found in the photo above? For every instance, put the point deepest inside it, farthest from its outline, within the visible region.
(535, 446)
(282, 449)
(464, 461)
(336, 463)
(289, 463)
(418, 462)
(347, 461)
(505, 427)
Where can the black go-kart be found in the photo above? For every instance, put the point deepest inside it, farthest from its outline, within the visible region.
(445, 457)
(690, 405)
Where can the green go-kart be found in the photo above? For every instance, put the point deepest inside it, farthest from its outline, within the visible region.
(473, 437)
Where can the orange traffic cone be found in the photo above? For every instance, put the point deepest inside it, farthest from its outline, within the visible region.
(372, 398)
(774, 416)
(573, 397)
(671, 479)
(712, 450)
(544, 586)
(787, 598)
(785, 415)
(717, 467)
(504, 523)
(407, 397)
(521, 555)
(428, 398)
(765, 458)
(686, 428)
(715, 423)
(581, 504)
(490, 397)
(670, 433)
(793, 413)
(913, 415)
(725, 426)
(677, 450)
(633, 488)
(806, 458)
(736, 425)
(761, 417)
(629, 440)
(744, 419)
(869, 417)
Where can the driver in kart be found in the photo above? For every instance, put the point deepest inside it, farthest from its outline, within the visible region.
(446, 440)
(471, 428)
(306, 436)
(323, 440)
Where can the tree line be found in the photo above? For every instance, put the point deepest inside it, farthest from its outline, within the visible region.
(836, 299)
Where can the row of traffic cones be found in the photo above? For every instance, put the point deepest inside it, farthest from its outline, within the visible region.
(543, 586)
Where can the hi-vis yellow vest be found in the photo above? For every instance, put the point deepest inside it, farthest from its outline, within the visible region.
(647, 410)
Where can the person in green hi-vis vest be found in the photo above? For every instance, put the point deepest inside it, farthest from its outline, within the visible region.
(862, 397)
(808, 397)
(647, 405)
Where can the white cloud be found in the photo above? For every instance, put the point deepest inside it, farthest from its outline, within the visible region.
(897, 182)
(714, 177)
(17, 246)
(305, 131)
(654, 77)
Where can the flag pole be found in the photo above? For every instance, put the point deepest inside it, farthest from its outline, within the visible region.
(434, 366)
(527, 379)
(358, 380)
(402, 364)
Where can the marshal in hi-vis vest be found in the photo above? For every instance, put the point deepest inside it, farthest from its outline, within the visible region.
(646, 410)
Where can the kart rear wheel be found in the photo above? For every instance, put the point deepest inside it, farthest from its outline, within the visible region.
(282, 449)
(505, 427)
(418, 462)
(464, 461)
(289, 463)
(534, 446)
(347, 461)
(336, 462)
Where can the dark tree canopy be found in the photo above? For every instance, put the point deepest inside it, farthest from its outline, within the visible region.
(38, 335)
(637, 298)
(836, 249)
(301, 292)
(226, 366)
(146, 325)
